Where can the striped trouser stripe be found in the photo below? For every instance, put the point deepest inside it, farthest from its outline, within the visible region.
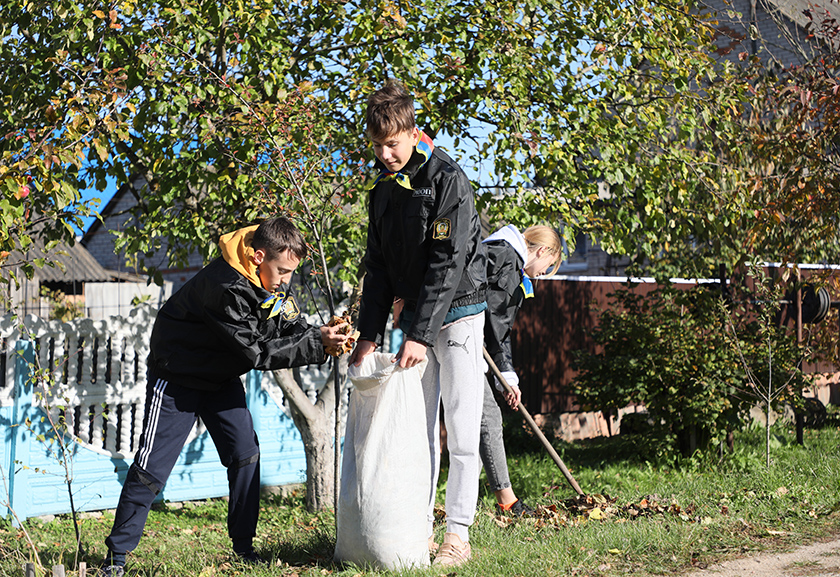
(153, 419)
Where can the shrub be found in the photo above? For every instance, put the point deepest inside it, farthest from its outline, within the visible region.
(669, 350)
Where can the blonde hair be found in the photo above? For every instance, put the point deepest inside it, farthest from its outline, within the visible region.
(390, 111)
(545, 236)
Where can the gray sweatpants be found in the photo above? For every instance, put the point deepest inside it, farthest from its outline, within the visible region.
(455, 375)
(492, 445)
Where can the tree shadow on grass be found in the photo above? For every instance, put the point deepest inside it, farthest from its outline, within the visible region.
(310, 549)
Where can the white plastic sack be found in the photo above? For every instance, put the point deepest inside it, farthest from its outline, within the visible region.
(386, 468)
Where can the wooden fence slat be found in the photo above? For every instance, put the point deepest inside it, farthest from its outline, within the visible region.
(117, 347)
(43, 353)
(102, 359)
(59, 357)
(127, 376)
(126, 442)
(84, 424)
(111, 430)
(98, 421)
(87, 366)
(70, 419)
(72, 350)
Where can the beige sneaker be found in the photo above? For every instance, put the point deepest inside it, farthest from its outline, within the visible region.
(433, 547)
(453, 551)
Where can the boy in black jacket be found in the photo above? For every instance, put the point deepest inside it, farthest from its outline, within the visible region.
(424, 253)
(228, 319)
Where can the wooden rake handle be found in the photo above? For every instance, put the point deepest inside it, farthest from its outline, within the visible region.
(533, 424)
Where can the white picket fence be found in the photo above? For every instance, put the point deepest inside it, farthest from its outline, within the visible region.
(93, 373)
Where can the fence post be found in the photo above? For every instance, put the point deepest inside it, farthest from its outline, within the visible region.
(19, 451)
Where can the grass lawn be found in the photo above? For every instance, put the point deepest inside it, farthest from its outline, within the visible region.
(643, 518)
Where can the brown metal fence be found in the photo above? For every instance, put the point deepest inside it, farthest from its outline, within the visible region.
(557, 321)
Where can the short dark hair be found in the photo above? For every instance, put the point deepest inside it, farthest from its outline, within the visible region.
(390, 111)
(277, 235)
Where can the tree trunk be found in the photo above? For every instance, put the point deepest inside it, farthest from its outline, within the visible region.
(313, 421)
(767, 432)
(317, 444)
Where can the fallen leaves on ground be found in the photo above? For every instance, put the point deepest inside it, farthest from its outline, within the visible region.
(584, 508)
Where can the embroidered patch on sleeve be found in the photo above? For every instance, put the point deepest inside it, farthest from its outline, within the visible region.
(441, 229)
(291, 311)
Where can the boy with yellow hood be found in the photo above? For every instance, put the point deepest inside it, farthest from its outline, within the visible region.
(230, 318)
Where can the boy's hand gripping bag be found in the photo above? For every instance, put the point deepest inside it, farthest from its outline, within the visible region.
(386, 468)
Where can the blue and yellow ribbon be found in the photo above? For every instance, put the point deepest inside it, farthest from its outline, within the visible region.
(527, 286)
(275, 302)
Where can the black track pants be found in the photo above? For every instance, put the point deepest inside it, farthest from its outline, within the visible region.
(171, 412)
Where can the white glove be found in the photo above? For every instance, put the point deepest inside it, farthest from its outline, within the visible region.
(511, 379)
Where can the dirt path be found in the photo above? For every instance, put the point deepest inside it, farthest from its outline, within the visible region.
(817, 560)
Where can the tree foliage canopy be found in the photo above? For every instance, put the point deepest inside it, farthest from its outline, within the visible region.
(611, 117)
(223, 108)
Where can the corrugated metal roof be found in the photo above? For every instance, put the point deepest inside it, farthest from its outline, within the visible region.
(78, 264)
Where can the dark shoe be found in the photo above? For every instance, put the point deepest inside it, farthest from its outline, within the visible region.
(251, 558)
(112, 571)
(518, 509)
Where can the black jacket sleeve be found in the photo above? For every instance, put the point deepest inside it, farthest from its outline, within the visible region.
(291, 344)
